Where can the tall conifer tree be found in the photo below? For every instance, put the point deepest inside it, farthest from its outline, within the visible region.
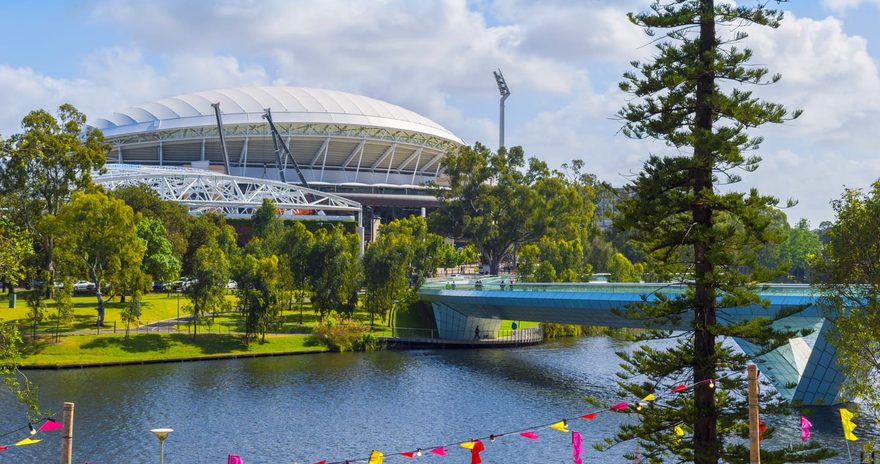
(690, 96)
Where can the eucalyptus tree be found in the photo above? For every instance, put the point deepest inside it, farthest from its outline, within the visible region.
(97, 235)
(690, 96)
(43, 164)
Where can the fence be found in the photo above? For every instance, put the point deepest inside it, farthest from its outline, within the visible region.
(528, 335)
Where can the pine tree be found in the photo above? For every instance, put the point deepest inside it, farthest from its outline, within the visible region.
(689, 97)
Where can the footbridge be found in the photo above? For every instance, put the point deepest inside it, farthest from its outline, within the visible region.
(804, 370)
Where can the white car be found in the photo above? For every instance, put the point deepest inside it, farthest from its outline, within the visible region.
(232, 285)
(84, 286)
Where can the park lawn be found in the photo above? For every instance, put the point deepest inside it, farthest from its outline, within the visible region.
(112, 348)
(156, 307)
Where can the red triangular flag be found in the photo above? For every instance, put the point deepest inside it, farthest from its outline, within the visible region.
(619, 406)
(761, 428)
(475, 452)
(679, 388)
(322, 462)
(441, 451)
(50, 425)
(589, 416)
(530, 435)
(408, 454)
(3, 448)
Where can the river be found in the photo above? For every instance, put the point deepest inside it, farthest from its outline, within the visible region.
(340, 406)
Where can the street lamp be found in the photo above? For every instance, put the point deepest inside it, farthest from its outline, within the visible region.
(161, 434)
(504, 90)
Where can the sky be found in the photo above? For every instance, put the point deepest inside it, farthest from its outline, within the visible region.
(562, 60)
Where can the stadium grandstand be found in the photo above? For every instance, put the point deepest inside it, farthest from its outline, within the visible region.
(350, 146)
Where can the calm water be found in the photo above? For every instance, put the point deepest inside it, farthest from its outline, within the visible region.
(340, 406)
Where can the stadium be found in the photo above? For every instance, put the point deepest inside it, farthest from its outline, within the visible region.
(348, 149)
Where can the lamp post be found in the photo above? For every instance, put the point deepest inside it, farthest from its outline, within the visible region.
(161, 434)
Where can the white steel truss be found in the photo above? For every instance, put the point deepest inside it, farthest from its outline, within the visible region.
(232, 196)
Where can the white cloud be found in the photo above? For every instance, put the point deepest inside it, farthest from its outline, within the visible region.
(842, 5)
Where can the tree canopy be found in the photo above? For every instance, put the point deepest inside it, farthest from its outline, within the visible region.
(690, 97)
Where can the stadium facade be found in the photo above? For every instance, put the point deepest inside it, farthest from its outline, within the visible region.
(359, 148)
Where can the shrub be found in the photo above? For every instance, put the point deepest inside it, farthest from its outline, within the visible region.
(341, 337)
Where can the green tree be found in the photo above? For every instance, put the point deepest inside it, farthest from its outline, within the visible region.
(690, 97)
(297, 248)
(36, 300)
(15, 248)
(131, 313)
(800, 247)
(207, 229)
(44, 163)
(622, 270)
(159, 261)
(498, 203)
(174, 216)
(386, 272)
(425, 246)
(98, 235)
(850, 284)
(335, 270)
(257, 279)
(210, 273)
(63, 306)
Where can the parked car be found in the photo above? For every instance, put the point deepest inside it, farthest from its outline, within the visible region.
(84, 286)
(183, 284)
(232, 285)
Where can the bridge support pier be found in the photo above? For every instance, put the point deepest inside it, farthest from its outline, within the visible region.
(804, 371)
(453, 325)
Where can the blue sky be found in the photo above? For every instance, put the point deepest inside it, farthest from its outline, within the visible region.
(562, 60)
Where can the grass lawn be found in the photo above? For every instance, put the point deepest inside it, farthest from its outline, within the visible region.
(115, 348)
(156, 307)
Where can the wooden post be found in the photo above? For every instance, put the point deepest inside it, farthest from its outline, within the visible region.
(67, 435)
(754, 428)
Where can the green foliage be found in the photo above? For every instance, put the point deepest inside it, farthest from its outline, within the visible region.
(622, 270)
(851, 291)
(794, 254)
(98, 235)
(159, 260)
(15, 248)
(297, 247)
(343, 337)
(210, 271)
(63, 306)
(689, 96)
(257, 279)
(10, 359)
(208, 229)
(336, 272)
(497, 202)
(174, 216)
(386, 272)
(131, 314)
(43, 164)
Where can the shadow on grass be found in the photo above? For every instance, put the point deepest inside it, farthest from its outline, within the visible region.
(212, 343)
(140, 343)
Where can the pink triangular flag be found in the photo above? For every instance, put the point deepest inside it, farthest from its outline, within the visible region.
(619, 406)
(805, 428)
(441, 451)
(51, 425)
(530, 435)
(234, 459)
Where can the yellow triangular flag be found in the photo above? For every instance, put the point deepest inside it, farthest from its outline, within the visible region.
(846, 418)
(27, 441)
(678, 431)
(650, 397)
(376, 457)
(561, 426)
(468, 445)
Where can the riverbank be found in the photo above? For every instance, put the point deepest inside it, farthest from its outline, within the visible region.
(115, 349)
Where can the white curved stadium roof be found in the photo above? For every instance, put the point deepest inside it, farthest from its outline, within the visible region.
(245, 105)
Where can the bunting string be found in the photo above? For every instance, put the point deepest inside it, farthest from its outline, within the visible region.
(530, 433)
(49, 425)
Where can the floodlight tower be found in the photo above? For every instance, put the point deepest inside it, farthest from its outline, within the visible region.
(505, 92)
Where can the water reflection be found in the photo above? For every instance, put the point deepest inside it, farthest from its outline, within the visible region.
(337, 406)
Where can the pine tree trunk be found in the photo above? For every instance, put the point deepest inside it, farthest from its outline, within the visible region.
(705, 425)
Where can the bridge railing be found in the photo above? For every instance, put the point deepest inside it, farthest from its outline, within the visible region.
(669, 288)
(527, 335)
